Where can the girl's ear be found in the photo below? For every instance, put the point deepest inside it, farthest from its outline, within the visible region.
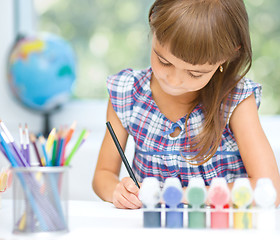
(236, 49)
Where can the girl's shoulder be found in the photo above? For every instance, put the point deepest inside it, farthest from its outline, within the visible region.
(129, 80)
(247, 85)
(125, 88)
(243, 89)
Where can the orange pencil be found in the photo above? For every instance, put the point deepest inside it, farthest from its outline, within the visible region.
(70, 132)
(67, 139)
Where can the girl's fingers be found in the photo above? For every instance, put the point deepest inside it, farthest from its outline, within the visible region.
(124, 203)
(124, 198)
(117, 204)
(132, 188)
(133, 199)
(130, 185)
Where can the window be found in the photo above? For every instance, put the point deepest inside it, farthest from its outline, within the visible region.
(109, 35)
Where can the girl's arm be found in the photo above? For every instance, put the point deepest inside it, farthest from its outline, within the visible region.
(255, 150)
(106, 184)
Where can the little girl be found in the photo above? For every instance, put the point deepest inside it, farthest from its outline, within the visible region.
(192, 113)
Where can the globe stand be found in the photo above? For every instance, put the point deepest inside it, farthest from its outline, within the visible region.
(46, 125)
(47, 120)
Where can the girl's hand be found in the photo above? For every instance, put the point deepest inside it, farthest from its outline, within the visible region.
(126, 194)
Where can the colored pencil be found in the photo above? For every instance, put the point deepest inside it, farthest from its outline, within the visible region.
(70, 132)
(54, 151)
(21, 139)
(22, 180)
(24, 153)
(84, 138)
(22, 142)
(67, 139)
(116, 141)
(59, 135)
(50, 140)
(59, 160)
(3, 151)
(33, 141)
(43, 145)
(44, 211)
(8, 151)
(75, 148)
(22, 160)
(27, 143)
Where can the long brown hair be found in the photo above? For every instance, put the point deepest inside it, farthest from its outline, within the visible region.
(207, 31)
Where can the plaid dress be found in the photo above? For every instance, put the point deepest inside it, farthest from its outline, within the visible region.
(156, 152)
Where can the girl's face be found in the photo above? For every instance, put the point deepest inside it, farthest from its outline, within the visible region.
(175, 76)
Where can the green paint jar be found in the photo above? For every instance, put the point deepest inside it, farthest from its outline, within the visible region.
(196, 197)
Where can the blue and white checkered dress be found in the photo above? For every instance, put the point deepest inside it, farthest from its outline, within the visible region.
(156, 152)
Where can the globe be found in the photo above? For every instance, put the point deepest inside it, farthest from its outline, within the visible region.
(42, 71)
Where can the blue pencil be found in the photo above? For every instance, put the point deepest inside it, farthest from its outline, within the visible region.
(10, 138)
(59, 156)
(7, 151)
(43, 142)
(28, 193)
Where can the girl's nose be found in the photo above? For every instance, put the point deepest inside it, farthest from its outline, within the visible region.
(175, 78)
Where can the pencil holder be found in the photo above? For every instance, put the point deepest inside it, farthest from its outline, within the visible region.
(40, 200)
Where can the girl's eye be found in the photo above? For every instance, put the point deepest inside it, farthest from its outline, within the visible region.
(164, 63)
(194, 76)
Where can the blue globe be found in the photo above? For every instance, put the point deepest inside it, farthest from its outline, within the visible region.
(42, 71)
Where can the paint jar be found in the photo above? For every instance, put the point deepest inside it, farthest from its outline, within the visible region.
(265, 196)
(40, 200)
(196, 196)
(152, 217)
(172, 195)
(218, 197)
(242, 198)
(150, 196)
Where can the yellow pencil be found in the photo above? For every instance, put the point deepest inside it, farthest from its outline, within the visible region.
(50, 140)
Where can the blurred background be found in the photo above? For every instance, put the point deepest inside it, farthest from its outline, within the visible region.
(107, 36)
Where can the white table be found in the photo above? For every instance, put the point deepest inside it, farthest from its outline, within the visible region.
(101, 220)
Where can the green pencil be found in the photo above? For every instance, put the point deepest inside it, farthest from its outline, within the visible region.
(75, 148)
(54, 152)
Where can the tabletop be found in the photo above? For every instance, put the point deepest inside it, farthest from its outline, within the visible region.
(92, 218)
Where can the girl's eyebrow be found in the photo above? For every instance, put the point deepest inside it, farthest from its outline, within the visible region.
(189, 70)
(160, 56)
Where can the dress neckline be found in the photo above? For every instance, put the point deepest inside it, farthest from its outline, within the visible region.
(181, 120)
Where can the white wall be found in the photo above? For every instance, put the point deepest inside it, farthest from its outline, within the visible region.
(10, 110)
